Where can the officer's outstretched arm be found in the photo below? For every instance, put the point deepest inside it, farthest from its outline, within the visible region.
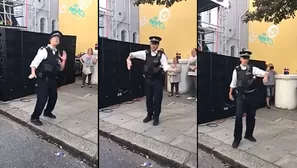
(137, 55)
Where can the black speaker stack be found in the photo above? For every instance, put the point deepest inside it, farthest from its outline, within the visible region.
(214, 77)
(17, 50)
(116, 83)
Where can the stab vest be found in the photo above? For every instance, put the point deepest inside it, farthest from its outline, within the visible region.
(50, 66)
(245, 79)
(152, 66)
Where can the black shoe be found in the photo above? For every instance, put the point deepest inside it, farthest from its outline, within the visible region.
(82, 86)
(156, 122)
(250, 138)
(36, 122)
(50, 115)
(147, 119)
(235, 144)
(170, 95)
(177, 95)
(90, 86)
(267, 106)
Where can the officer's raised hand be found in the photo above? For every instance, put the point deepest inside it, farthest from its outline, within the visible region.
(64, 56)
(265, 79)
(129, 63)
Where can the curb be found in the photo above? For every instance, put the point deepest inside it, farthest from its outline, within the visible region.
(157, 150)
(75, 145)
(234, 157)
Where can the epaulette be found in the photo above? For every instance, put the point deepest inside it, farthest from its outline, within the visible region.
(43, 47)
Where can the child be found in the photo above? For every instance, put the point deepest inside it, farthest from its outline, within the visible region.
(88, 60)
(174, 77)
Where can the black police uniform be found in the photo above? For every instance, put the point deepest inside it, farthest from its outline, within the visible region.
(245, 101)
(47, 76)
(153, 73)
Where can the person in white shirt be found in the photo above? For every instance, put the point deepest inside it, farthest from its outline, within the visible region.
(192, 75)
(155, 65)
(45, 67)
(243, 86)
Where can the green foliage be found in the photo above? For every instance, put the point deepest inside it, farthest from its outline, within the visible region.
(167, 3)
(272, 11)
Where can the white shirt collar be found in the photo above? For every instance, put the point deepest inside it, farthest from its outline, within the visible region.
(54, 49)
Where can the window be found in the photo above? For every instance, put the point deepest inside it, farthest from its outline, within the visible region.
(54, 22)
(134, 37)
(123, 35)
(42, 25)
(233, 51)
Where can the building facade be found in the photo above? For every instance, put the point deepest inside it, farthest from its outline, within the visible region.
(39, 15)
(227, 33)
(119, 20)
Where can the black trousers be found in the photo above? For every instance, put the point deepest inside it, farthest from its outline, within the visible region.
(245, 103)
(175, 85)
(84, 76)
(154, 96)
(46, 93)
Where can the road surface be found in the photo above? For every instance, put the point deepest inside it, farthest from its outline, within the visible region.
(21, 148)
(206, 160)
(112, 155)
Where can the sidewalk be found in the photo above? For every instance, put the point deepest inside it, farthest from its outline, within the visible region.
(276, 134)
(175, 139)
(76, 125)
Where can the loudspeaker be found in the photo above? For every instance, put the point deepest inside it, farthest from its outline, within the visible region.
(109, 84)
(68, 44)
(125, 84)
(117, 83)
(137, 78)
(10, 35)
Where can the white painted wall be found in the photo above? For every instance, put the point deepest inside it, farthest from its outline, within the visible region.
(236, 31)
(126, 21)
(47, 9)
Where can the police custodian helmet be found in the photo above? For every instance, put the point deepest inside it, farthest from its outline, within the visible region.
(56, 33)
(155, 39)
(245, 54)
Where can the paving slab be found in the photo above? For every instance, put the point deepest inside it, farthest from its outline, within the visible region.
(136, 126)
(185, 142)
(76, 125)
(177, 130)
(288, 161)
(276, 136)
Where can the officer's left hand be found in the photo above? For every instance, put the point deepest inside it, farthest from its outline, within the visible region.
(265, 80)
(64, 56)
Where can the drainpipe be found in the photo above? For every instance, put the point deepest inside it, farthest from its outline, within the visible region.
(49, 16)
(239, 27)
(130, 27)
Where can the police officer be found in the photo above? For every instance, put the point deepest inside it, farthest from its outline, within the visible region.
(45, 67)
(155, 65)
(243, 86)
